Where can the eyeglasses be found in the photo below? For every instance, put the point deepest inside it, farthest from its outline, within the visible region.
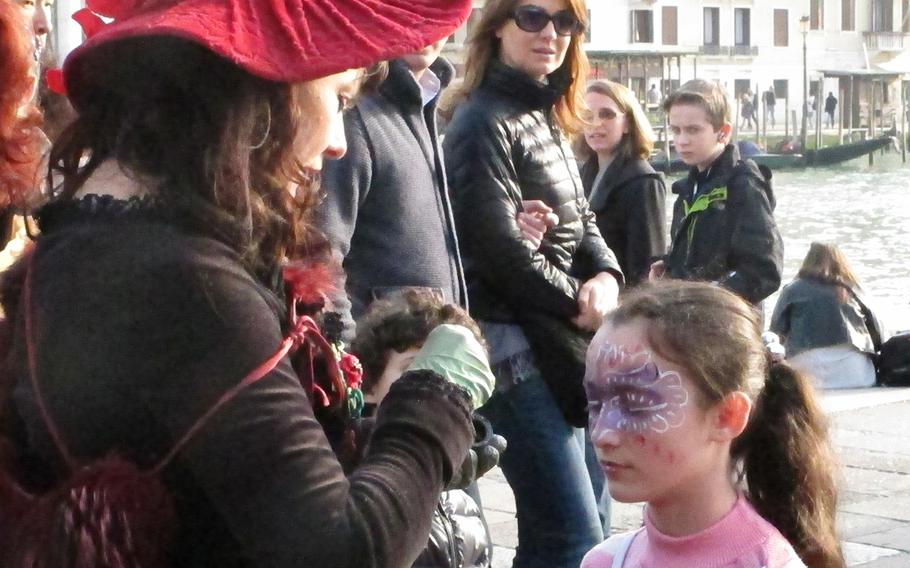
(602, 114)
(534, 19)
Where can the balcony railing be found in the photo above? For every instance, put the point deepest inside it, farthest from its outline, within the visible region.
(733, 51)
(885, 41)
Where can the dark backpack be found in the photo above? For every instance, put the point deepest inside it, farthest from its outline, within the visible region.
(893, 365)
(108, 513)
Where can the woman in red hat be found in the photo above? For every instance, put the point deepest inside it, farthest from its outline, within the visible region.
(507, 154)
(153, 294)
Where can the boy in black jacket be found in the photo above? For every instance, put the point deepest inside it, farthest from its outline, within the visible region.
(723, 227)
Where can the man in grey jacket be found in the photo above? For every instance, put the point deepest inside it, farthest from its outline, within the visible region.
(387, 213)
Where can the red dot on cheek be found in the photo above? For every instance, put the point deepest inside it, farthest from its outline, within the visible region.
(639, 440)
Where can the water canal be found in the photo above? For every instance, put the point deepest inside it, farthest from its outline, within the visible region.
(864, 210)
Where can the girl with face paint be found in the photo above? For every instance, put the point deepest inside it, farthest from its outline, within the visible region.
(729, 451)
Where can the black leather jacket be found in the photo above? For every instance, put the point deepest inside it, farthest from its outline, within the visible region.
(504, 146)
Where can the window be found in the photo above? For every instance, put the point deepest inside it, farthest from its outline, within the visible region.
(781, 28)
(642, 26)
(781, 88)
(882, 16)
(712, 26)
(816, 14)
(741, 26)
(905, 15)
(741, 86)
(668, 25)
(848, 15)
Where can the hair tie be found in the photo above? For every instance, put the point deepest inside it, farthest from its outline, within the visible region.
(775, 350)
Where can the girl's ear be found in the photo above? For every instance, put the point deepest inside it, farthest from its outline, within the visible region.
(731, 416)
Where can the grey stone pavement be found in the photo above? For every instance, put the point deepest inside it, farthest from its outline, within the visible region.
(870, 429)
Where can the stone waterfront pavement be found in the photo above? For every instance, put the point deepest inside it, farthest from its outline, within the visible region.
(871, 432)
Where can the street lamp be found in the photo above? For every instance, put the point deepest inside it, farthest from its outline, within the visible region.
(804, 29)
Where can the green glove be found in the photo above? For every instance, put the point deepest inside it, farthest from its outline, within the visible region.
(454, 352)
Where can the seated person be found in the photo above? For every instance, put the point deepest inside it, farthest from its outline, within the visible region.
(409, 332)
(827, 329)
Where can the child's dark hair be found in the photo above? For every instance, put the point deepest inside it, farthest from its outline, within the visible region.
(400, 323)
(784, 454)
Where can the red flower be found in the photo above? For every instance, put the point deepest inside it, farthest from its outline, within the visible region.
(353, 371)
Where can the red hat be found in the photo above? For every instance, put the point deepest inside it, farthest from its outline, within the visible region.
(281, 40)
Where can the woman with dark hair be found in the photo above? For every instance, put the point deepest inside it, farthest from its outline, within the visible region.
(150, 321)
(827, 328)
(537, 302)
(627, 195)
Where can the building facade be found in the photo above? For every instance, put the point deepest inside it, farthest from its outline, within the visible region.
(853, 49)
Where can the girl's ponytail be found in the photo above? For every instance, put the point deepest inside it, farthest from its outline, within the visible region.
(789, 466)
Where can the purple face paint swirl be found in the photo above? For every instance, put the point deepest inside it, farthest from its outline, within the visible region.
(628, 393)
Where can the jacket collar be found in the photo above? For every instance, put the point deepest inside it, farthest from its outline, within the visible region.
(401, 87)
(718, 173)
(619, 172)
(517, 85)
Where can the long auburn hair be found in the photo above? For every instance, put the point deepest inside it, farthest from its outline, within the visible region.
(784, 455)
(483, 47)
(639, 141)
(21, 139)
(217, 142)
(826, 262)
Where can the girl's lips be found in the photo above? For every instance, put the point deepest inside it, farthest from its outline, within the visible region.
(611, 467)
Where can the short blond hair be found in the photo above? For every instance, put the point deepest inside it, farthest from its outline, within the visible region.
(708, 95)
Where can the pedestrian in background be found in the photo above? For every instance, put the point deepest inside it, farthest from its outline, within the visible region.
(537, 302)
(729, 451)
(826, 326)
(770, 100)
(830, 108)
(626, 194)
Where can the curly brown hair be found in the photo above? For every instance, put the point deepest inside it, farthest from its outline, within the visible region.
(217, 141)
(401, 323)
(21, 139)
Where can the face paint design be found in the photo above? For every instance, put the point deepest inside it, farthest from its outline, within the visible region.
(628, 393)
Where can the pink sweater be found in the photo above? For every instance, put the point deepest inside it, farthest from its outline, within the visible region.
(742, 539)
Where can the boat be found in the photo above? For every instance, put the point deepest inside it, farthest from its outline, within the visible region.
(811, 159)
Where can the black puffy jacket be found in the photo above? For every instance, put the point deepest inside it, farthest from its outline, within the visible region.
(504, 146)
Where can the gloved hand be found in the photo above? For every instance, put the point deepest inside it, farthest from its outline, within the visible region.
(454, 352)
(483, 455)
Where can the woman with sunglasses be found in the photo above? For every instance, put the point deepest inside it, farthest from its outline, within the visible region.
(522, 95)
(154, 290)
(627, 195)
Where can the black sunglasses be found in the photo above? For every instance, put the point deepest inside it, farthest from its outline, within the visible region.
(534, 19)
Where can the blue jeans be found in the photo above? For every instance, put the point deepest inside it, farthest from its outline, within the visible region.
(545, 465)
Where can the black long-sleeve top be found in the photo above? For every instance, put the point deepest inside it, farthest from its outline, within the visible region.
(142, 325)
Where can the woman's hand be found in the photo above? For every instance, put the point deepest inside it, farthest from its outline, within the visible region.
(534, 220)
(454, 352)
(596, 297)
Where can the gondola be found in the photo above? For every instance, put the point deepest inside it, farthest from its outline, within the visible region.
(811, 159)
